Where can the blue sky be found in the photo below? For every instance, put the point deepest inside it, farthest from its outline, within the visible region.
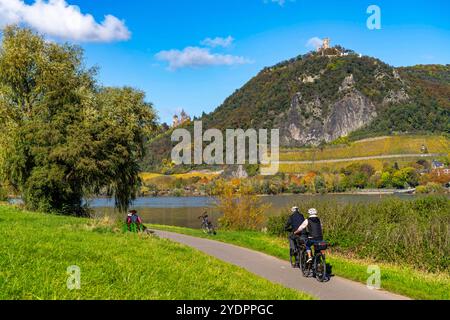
(134, 47)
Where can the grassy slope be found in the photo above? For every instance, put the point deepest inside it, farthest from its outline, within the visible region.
(394, 145)
(377, 164)
(399, 279)
(36, 250)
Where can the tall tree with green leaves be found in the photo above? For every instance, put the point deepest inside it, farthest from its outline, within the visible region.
(63, 137)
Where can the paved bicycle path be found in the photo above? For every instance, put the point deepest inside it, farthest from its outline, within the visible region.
(281, 272)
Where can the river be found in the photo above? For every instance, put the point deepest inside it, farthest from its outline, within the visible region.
(184, 211)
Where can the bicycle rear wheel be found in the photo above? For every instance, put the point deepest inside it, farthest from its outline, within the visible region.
(321, 268)
(211, 230)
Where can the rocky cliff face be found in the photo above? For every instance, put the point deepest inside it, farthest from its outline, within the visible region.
(349, 114)
(306, 123)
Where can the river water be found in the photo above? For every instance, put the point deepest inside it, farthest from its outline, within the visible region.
(184, 211)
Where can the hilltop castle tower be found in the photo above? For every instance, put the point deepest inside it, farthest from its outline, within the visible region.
(178, 121)
(326, 44)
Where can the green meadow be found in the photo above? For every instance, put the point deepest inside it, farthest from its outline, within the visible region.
(36, 249)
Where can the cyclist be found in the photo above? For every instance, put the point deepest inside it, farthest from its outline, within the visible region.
(205, 218)
(134, 223)
(315, 231)
(296, 219)
(134, 219)
(207, 223)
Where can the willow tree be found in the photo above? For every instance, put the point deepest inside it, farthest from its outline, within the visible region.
(62, 137)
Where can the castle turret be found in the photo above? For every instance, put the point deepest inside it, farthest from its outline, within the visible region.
(176, 121)
(180, 120)
(326, 44)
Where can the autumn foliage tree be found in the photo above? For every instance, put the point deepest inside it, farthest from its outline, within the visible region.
(242, 209)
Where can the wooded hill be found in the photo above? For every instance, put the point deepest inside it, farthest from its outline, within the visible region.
(316, 99)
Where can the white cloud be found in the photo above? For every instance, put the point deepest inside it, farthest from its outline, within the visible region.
(314, 43)
(197, 57)
(280, 2)
(218, 42)
(57, 18)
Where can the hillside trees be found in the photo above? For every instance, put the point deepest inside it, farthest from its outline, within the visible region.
(63, 137)
(314, 83)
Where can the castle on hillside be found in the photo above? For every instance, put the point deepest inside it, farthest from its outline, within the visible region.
(328, 51)
(180, 120)
(326, 44)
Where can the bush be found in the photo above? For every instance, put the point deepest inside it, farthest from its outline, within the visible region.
(252, 170)
(242, 210)
(178, 193)
(276, 224)
(298, 189)
(413, 232)
(431, 187)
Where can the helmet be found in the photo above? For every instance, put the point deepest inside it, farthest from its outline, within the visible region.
(312, 212)
(294, 209)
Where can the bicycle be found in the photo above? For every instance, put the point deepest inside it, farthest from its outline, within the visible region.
(207, 226)
(296, 255)
(318, 267)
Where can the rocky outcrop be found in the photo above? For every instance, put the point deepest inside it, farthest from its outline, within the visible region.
(235, 171)
(310, 79)
(306, 123)
(349, 114)
(396, 97)
(347, 84)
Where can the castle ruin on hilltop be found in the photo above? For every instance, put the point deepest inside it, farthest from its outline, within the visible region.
(180, 120)
(326, 50)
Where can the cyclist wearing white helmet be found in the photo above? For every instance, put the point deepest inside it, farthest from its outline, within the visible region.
(315, 232)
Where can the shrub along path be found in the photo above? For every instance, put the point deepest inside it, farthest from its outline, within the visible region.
(280, 271)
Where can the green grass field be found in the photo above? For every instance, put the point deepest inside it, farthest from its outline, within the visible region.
(395, 145)
(403, 280)
(36, 250)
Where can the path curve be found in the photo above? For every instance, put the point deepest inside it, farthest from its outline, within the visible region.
(279, 271)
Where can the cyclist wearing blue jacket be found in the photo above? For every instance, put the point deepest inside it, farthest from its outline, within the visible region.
(315, 232)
